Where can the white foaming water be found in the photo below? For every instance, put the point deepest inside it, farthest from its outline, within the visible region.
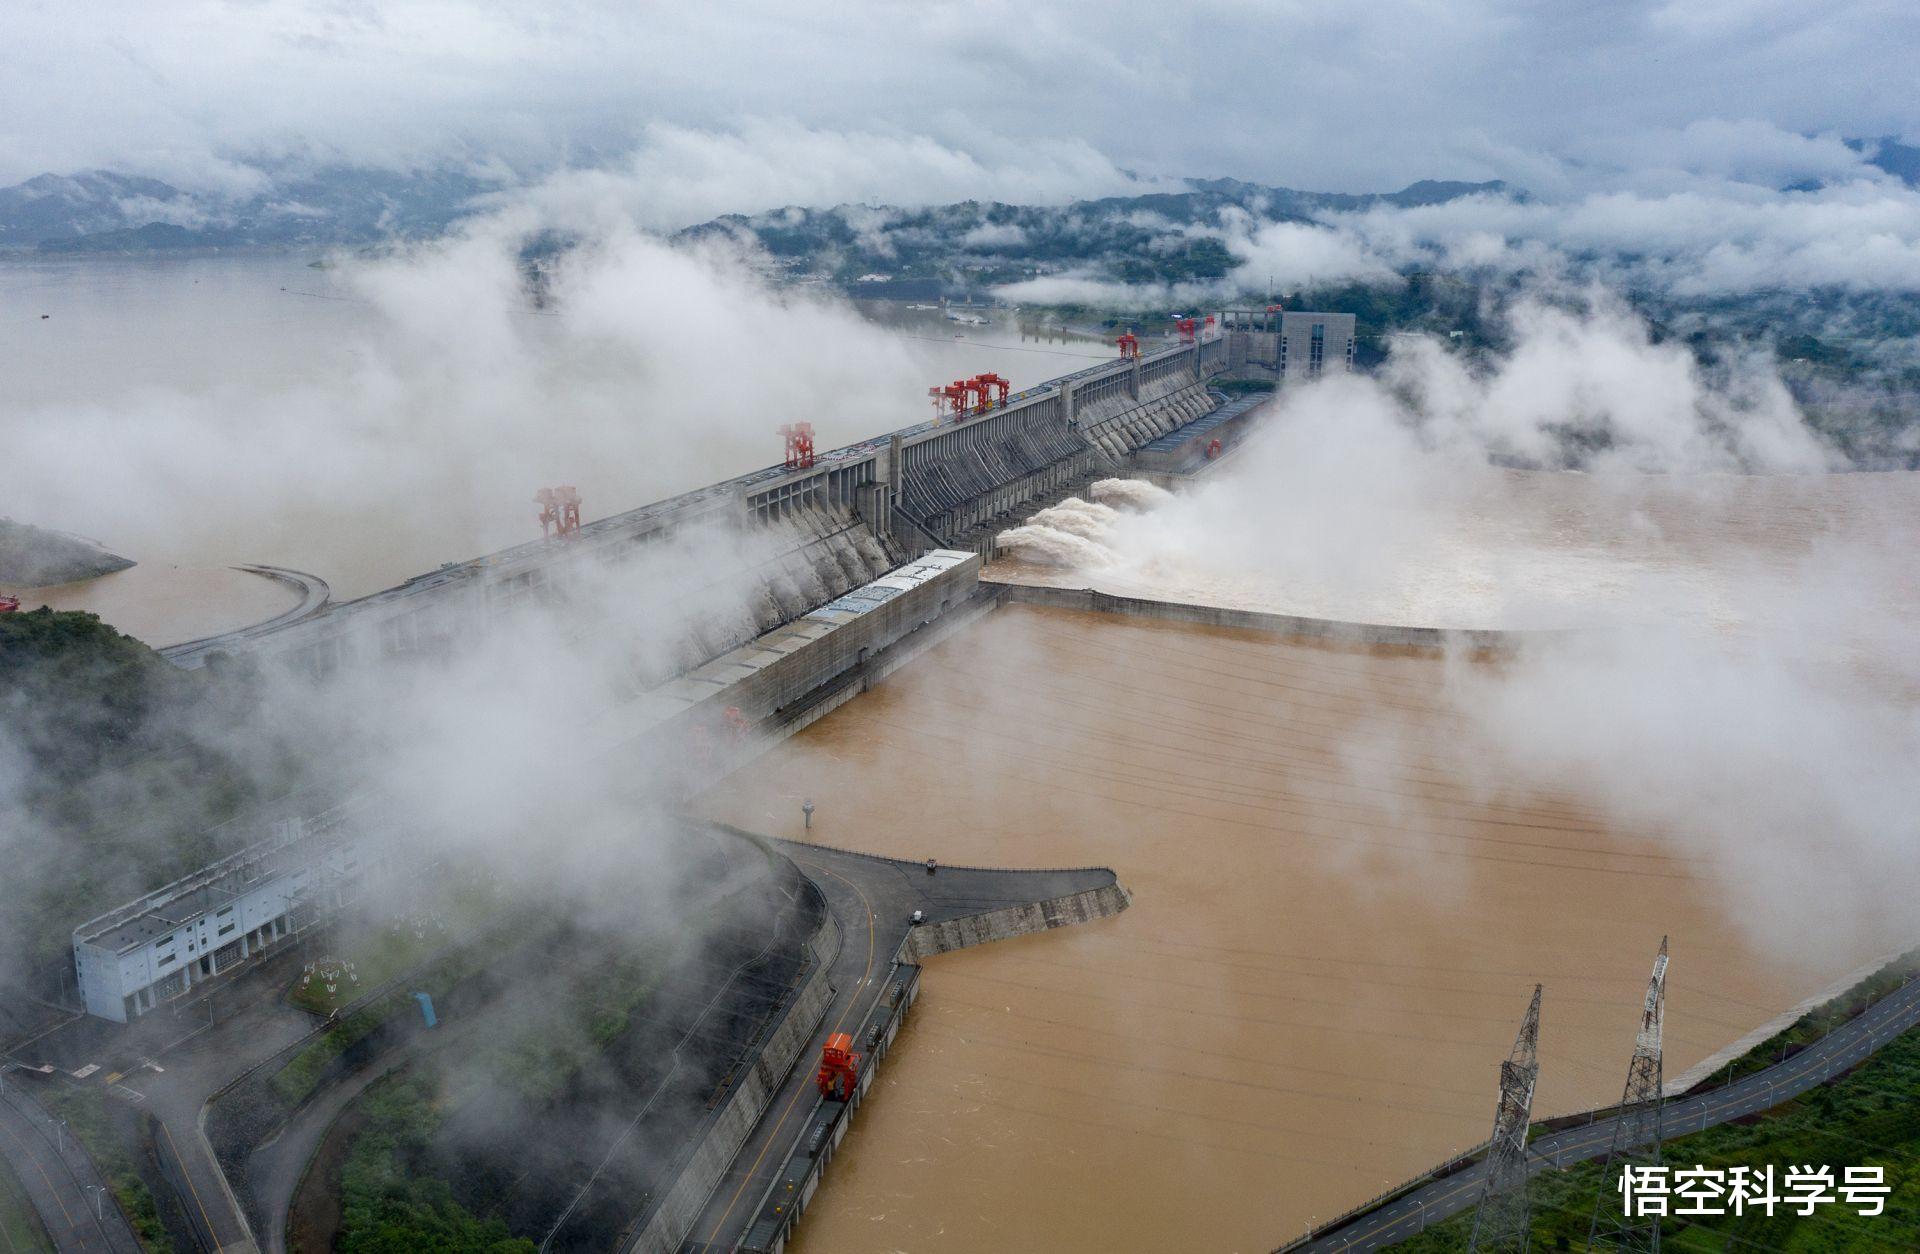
(1136, 494)
(1077, 533)
(1087, 519)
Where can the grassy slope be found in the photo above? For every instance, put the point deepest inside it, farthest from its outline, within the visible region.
(87, 1115)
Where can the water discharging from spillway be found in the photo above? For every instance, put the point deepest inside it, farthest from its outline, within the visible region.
(1078, 534)
(1333, 936)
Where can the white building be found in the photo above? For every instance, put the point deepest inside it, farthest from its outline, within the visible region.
(150, 951)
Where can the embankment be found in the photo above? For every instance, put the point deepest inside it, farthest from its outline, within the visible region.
(674, 1217)
(1471, 641)
(1021, 920)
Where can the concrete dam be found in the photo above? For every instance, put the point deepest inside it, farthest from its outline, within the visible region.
(1307, 889)
(798, 537)
(747, 609)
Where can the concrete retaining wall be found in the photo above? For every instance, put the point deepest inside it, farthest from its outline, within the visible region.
(701, 720)
(1332, 630)
(1024, 920)
(680, 1208)
(773, 1227)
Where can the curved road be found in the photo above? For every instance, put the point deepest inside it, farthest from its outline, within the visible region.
(60, 1179)
(1843, 1049)
(314, 596)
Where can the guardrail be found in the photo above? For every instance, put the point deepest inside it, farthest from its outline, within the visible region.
(1437, 1172)
(771, 1224)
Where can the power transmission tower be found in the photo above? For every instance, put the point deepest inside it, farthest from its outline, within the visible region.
(1636, 1133)
(1502, 1221)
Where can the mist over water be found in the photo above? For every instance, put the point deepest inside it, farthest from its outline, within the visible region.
(375, 418)
(1731, 654)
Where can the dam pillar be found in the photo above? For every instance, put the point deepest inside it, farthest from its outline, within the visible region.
(1066, 403)
(1133, 379)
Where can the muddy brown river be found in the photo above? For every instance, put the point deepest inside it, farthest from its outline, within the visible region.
(1332, 940)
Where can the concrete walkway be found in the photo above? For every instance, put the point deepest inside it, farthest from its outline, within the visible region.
(1845, 1048)
(873, 899)
(314, 596)
(60, 1179)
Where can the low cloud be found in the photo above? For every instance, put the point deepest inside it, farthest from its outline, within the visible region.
(678, 176)
(652, 369)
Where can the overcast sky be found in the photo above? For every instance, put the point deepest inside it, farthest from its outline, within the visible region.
(1034, 100)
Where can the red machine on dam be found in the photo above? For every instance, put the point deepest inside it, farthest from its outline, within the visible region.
(965, 397)
(559, 512)
(839, 1068)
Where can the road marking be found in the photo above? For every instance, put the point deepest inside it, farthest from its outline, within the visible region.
(186, 1173)
(73, 1225)
(845, 1011)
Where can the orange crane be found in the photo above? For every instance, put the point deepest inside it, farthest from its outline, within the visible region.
(1185, 327)
(8, 604)
(559, 512)
(799, 438)
(839, 1068)
(1129, 344)
(987, 381)
(950, 399)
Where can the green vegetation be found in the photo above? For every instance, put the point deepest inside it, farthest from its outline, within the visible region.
(295, 1081)
(389, 1203)
(108, 1132)
(123, 786)
(1868, 1118)
(20, 1228)
(599, 1004)
(381, 952)
(1824, 1018)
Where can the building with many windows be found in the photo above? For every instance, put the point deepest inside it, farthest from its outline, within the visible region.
(147, 952)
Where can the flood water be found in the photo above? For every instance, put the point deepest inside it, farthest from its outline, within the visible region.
(164, 604)
(1332, 939)
(147, 379)
(1496, 548)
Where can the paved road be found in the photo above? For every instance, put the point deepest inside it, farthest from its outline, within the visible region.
(60, 1179)
(1845, 1048)
(177, 1096)
(872, 898)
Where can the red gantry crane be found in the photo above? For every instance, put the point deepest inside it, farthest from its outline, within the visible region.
(559, 512)
(951, 399)
(988, 383)
(799, 438)
(1129, 344)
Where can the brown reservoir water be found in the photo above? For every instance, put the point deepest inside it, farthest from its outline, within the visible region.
(1332, 940)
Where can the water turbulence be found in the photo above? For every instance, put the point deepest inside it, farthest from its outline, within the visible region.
(1078, 533)
(1134, 494)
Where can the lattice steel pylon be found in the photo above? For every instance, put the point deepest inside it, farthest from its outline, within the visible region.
(1502, 1221)
(1636, 1134)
